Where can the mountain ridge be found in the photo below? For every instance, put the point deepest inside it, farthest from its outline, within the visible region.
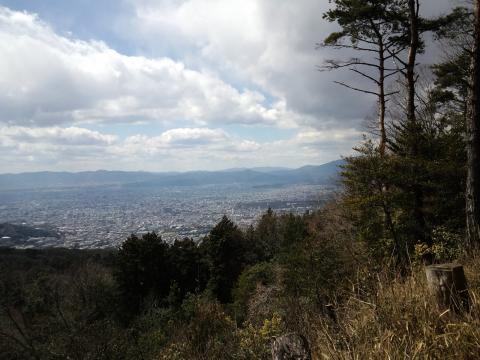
(310, 174)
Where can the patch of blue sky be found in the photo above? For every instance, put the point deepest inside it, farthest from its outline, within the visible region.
(83, 19)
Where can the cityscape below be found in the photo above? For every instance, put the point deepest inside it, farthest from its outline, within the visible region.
(102, 215)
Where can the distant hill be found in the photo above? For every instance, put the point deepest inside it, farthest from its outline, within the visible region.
(48, 179)
(266, 169)
(23, 232)
(313, 174)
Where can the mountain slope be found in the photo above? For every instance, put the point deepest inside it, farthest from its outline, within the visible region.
(318, 174)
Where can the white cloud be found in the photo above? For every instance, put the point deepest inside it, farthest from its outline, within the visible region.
(56, 135)
(318, 138)
(47, 79)
(187, 140)
(268, 43)
(74, 148)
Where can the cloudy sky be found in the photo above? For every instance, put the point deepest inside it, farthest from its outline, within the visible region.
(162, 85)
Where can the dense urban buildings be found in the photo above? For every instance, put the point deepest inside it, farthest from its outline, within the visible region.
(101, 217)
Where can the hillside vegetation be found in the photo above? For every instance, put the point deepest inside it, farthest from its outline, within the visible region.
(228, 297)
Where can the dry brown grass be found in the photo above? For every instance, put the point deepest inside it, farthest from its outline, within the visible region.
(401, 321)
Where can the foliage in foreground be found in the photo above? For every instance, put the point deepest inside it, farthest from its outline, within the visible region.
(400, 320)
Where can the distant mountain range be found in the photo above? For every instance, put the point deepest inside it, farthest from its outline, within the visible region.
(312, 174)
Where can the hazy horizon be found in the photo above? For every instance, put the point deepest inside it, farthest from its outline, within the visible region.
(179, 171)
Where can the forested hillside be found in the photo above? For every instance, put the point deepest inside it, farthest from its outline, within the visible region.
(350, 278)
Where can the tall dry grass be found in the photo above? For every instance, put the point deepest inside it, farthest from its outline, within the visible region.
(400, 320)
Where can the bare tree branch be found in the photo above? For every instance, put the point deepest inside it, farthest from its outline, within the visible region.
(356, 89)
(366, 76)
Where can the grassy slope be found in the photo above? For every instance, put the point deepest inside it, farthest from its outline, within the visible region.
(400, 321)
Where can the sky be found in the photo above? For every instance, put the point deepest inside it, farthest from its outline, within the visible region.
(173, 85)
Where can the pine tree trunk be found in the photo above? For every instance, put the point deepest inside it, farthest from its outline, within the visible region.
(388, 223)
(473, 144)
(381, 97)
(412, 55)
(420, 230)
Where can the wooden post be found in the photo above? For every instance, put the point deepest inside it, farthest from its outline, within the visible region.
(449, 285)
(291, 346)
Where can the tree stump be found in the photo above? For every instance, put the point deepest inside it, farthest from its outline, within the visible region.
(448, 284)
(291, 347)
